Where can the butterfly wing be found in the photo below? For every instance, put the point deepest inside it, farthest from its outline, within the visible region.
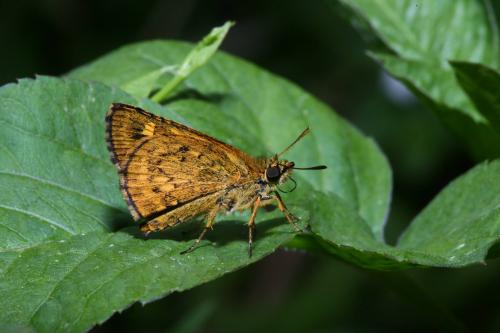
(164, 165)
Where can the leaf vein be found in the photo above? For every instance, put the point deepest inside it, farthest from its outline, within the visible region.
(39, 217)
(60, 186)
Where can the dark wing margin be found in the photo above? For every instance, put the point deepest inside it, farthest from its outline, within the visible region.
(123, 139)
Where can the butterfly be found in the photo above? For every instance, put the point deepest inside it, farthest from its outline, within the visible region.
(170, 173)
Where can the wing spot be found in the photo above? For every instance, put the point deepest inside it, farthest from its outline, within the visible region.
(136, 136)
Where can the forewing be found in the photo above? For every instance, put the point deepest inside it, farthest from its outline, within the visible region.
(164, 165)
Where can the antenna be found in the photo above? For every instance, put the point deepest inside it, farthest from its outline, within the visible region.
(303, 134)
(317, 167)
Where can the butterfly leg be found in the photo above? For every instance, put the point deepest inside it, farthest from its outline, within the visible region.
(289, 216)
(208, 226)
(251, 225)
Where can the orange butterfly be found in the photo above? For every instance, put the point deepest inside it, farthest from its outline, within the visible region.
(170, 173)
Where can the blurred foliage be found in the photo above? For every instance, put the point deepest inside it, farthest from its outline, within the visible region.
(415, 41)
(316, 48)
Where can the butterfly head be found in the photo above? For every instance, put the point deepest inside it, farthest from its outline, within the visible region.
(278, 171)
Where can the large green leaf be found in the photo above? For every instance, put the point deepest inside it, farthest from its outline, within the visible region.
(456, 229)
(463, 221)
(262, 114)
(420, 38)
(68, 259)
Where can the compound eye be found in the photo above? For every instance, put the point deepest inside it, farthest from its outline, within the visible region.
(273, 174)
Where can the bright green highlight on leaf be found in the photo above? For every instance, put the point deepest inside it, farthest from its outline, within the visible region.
(200, 54)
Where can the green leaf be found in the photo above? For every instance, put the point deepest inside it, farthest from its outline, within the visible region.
(432, 31)
(419, 38)
(482, 84)
(463, 221)
(68, 259)
(246, 105)
(456, 229)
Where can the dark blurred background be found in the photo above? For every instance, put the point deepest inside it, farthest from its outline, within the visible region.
(312, 45)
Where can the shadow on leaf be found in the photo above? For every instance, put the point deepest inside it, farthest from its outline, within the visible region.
(116, 219)
(185, 94)
(223, 232)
